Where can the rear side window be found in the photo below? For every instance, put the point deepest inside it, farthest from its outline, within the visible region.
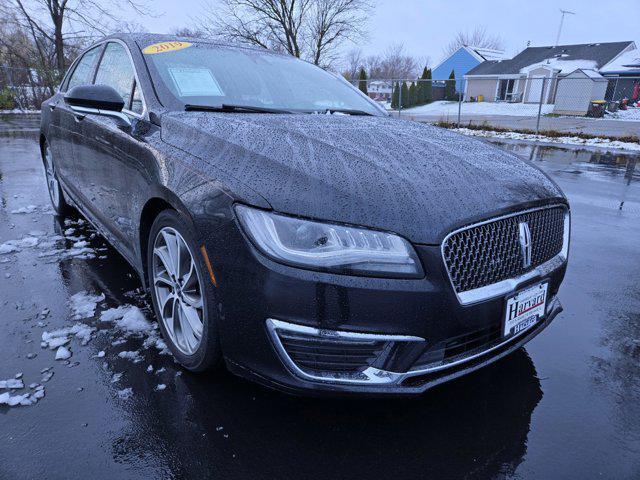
(82, 73)
(116, 71)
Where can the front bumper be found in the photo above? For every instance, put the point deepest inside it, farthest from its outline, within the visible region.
(414, 313)
(416, 380)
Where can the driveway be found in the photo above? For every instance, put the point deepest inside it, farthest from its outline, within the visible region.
(566, 406)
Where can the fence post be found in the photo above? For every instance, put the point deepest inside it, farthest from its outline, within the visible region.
(399, 98)
(615, 89)
(540, 104)
(459, 105)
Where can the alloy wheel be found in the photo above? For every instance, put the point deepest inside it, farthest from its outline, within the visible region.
(52, 180)
(178, 290)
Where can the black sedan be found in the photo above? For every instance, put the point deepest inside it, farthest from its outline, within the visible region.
(286, 226)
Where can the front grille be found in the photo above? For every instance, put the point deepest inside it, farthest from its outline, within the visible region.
(490, 252)
(315, 355)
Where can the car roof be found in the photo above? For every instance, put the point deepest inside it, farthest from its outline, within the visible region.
(144, 39)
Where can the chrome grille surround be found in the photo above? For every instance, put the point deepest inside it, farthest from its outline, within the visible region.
(484, 260)
(317, 365)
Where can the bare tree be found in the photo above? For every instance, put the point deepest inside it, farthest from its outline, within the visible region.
(311, 29)
(392, 64)
(479, 37)
(352, 62)
(60, 22)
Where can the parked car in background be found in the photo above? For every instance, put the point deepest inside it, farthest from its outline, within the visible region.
(288, 227)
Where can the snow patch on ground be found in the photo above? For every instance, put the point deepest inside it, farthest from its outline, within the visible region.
(11, 383)
(25, 210)
(132, 355)
(8, 248)
(631, 114)
(57, 338)
(445, 108)
(131, 321)
(125, 393)
(83, 304)
(21, 399)
(568, 140)
(63, 353)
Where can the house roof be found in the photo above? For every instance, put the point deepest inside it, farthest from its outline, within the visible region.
(479, 53)
(600, 53)
(628, 62)
(483, 54)
(591, 74)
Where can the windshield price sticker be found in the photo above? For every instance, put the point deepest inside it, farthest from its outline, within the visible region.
(165, 47)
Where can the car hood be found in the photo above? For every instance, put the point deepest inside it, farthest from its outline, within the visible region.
(414, 179)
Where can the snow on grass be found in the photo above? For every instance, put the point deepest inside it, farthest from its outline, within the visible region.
(631, 114)
(160, 387)
(83, 304)
(449, 109)
(568, 140)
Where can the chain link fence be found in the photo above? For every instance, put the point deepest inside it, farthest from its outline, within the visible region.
(520, 103)
(583, 102)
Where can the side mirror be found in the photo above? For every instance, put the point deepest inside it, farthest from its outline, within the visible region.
(101, 97)
(97, 100)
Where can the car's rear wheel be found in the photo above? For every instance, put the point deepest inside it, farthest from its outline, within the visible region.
(183, 296)
(58, 200)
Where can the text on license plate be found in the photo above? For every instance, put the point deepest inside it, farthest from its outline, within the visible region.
(525, 308)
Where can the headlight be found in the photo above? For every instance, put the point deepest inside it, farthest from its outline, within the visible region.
(329, 247)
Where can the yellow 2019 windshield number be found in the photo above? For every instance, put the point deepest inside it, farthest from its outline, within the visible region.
(165, 47)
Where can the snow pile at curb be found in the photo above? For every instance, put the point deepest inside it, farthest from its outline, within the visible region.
(569, 140)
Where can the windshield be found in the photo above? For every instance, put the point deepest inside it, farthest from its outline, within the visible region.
(207, 75)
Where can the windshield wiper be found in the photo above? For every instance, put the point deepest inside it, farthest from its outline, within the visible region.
(226, 107)
(348, 111)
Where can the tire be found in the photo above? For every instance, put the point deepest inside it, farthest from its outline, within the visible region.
(56, 194)
(175, 295)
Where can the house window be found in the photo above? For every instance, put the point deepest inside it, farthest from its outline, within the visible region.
(505, 89)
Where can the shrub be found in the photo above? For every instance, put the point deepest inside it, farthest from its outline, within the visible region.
(7, 101)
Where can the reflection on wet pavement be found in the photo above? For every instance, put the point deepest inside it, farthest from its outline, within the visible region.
(566, 407)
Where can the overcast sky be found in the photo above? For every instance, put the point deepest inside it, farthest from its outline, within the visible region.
(426, 26)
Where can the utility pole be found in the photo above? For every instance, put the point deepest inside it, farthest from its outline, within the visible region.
(564, 12)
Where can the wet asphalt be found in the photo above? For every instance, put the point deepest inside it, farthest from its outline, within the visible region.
(566, 406)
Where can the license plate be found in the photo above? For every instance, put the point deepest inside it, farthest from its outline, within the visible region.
(524, 309)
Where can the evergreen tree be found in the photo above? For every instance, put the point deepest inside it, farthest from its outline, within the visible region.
(362, 81)
(404, 94)
(413, 95)
(450, 87)
(395, 96)
(427, 86)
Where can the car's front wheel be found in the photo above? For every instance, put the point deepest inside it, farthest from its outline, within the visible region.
(183, 296)
(58, 200)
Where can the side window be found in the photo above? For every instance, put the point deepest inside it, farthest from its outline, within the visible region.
(116, 71)
(84, 68)
(136, 103)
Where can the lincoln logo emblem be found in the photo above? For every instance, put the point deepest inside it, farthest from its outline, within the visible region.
(525, 244)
